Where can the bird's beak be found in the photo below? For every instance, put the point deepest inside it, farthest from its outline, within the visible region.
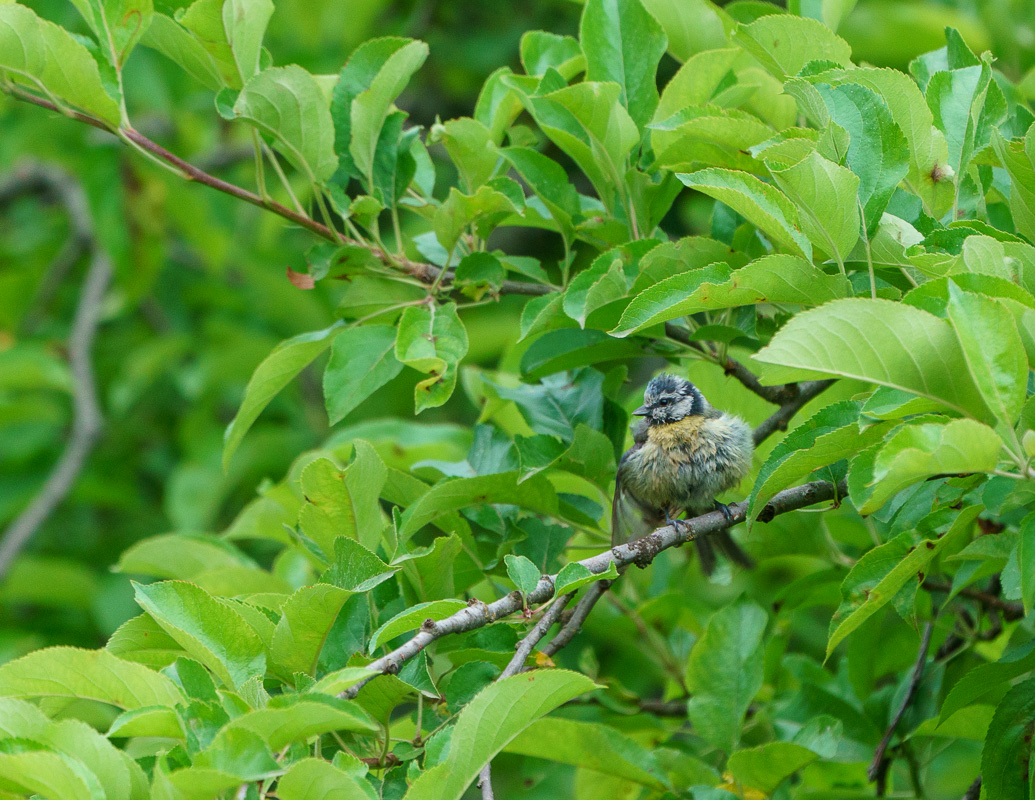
(642, 411)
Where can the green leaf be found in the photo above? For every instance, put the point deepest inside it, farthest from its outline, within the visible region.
(979, 681)
(696, 82)
(829, 12)
(574, 576)
(920, 451)
(784, 43)
(292, 718)
(587, 122)
(362, 361)
(172, 40)
(829, 436)
(966, 104)
(430, 570)
(315, 779)
(541, 50)
(469, 144)
(878, 151)
(882, 572)
(759, 203)
(825, 194)
(491, 721)
(766, 767)
(777, 278)
(178, 555)
(355, 568)
(725, 672)
(1018, 158)
(50, 775)
(590, 745)
(338, 681)
(568, 348)
(305, 622)
(691, 25)
(88, 674)
(535, 494)
(1026, 561)
(479, 273)
(274, 373)
(1004, 773)
(878, 341)
(993, 350)
(117, 24)
(930, 175)
(287, 104)
(432, 340)
(44, 56)
(232, 32)
(623, 43)
(484, 210)
(371, 106)
(344, 502)
(523, 573)
(548, 180)
(412, 618)
(211, 630)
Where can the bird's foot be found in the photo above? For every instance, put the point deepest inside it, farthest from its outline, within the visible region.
(681, 525)
(727, 512)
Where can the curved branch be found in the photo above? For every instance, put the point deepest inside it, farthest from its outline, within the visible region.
(87, 419)
(778, 421)
(640, 552)
(424, 272)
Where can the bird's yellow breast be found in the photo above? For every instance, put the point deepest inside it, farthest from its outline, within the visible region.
(684, 433)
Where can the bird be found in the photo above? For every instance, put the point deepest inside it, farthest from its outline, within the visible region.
(685, 453)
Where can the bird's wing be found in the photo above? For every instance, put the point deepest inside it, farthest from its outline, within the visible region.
(629, 520)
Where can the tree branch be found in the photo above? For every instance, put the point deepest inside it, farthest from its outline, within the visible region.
(424, 272)
(640, 552)
(778, 421)
(87, 419)
(1011, 611)
(879, 767)
(574, 622)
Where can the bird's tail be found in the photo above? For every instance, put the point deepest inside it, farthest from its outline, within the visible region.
(723, 542)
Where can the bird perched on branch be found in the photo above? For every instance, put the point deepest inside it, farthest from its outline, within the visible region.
(685, 455)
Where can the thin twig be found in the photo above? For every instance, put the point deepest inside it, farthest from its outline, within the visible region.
(778, 421)
(1011, 611)
(574, 622)
(640, 552)
(53, 185)
(87, 419)
(427, 273)
(879, 767)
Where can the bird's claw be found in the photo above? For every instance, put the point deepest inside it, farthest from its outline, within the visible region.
(727, 512)
(681, 525)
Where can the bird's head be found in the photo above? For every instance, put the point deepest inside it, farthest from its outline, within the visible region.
(669, 398)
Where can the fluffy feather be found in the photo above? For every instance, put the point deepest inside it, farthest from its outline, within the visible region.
(683, 458)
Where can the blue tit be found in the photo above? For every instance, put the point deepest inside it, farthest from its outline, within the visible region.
(685, 454)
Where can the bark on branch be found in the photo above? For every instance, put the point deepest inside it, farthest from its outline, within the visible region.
(87, 419)
(640, 552)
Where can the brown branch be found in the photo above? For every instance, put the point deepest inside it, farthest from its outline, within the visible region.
(424, 272)
(879, 766)
(87, 419)
(778, 421)
(640, 552)
(573, 624)
(1011, 611)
